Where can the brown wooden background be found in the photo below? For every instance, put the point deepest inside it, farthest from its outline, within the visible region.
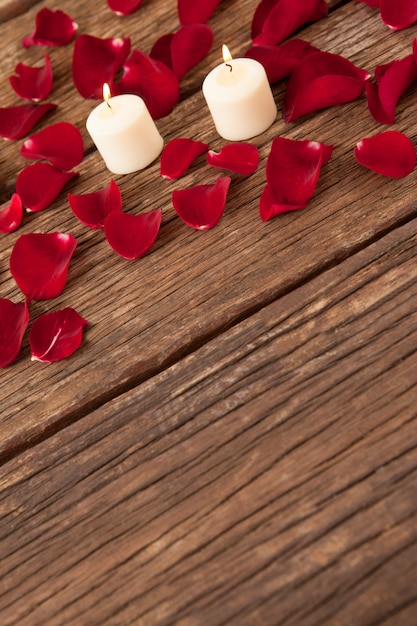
(235, 440)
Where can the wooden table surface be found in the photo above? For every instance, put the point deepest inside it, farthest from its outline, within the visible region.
(235, 441)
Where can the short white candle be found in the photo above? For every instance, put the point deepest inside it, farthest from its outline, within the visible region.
(239, 98)
(124, 133)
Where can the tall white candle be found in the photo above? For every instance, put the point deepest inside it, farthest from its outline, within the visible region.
(124, 133)
(239, 98)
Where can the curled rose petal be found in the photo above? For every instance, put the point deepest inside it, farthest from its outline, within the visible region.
(323, 79)
(202, 206)
(124, 7)
(132, 236)
(292, 171)
(11, 215)
(61, 144)
(93, 208)
(33, 83)
(392, 81)
(39, 263)
(14, 319)
(241, 158)
(178, 155)
(39, 184)
(54, 336)
(53, 28)
(192, 12)
(398, 15)
(181, 51)
(390, 153)
(96, 61)
(280, 61)
(18, 121)
(275, 20)
(151, 80)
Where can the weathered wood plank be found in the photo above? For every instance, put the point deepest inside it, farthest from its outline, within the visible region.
(147, 314)
(268, 478)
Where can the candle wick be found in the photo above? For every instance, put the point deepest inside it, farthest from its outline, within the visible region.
(108, 104)
(229, 66)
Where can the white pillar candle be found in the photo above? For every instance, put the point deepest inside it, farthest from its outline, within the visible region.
(124, 133)
(239, 98)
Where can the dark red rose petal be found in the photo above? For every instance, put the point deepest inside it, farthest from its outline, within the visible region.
(124, 7)
(151, 80)
(14, 319)
(93, 208)
(54, 336)
(181, 51)
(275, 20)
(33, 83)
(196, 12)
(322, 80)
(132, 236)
(202, 206)
(53, 28)
(39, 263)
(161, 50)
(390, 153)
(392, 81)
(11, 215)
(96, 61)
(39, 184)
(241, 158)
(398, 14)
(270, 207)
(280, 61)
(18, 121)
(292, 171)
(178, 155)
(61, 144)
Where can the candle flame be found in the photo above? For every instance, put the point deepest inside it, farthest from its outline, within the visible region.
(226, 54)
(106, 93)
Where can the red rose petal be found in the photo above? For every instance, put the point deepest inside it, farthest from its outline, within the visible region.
(96, 61)
(270, 207)
(392, 81)
(61, 144)
(93, 208)
(53, 28)
(161, 50)
(151, 80)
(242, 158)
(54, 336)
(124, 7)
(18, 121)
(292, 171)
(280, 61)
(33, 83)
(192, 12)
(390, 153)
(323, 79)
(132, 236)
(202, 206)
(275, 20)
(39, 184)
(398, 14)
(178, 155)
(39, 263)
(181, 51)
(11, 215)
(14, 319)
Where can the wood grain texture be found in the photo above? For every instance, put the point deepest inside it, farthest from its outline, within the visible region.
(268, 478)
(145, 315)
